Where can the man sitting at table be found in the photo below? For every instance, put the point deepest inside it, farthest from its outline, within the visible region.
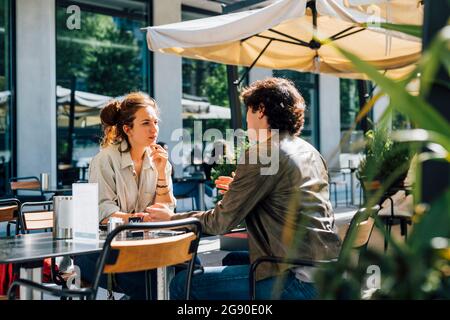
(284, 202)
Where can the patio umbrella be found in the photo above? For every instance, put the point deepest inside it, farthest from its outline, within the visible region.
(4, 96)
(287, 35)
(203, 110)
(88, 105)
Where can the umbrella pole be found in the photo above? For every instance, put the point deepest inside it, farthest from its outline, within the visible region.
(363, 96)
(235, 105)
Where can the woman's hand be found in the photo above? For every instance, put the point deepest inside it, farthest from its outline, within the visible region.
(223, 182)
(142, 215)
(160, 158)
(158, 212)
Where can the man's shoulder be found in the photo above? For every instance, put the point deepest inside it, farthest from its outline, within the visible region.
(291, 145)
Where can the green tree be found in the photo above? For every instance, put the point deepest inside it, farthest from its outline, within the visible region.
(104, 54)
(349, 102)
(215, 85)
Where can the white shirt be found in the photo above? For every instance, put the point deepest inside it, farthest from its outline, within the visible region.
(117, 182)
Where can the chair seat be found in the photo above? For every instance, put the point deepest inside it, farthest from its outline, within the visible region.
(31, 198)
(7, 212)
(386, 212)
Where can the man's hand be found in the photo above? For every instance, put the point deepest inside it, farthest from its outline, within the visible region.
(158, 212)
(222, 183)
(142, 215)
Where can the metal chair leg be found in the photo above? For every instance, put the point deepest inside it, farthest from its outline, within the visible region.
(404, 228)
(148, 285)
(346, 195)
(8, 229)
(386, 237)
(332, 184)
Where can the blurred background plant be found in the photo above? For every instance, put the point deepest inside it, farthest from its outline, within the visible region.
(225, 166)
(382, 157)
(418, 268)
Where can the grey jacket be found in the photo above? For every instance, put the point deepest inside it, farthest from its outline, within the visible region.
(287, 213)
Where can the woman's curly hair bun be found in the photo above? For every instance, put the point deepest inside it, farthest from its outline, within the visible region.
(110, 114)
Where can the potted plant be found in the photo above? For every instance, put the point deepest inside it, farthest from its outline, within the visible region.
(417, 268)
(384, 158)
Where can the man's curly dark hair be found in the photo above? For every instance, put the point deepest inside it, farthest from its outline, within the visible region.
(282, 103)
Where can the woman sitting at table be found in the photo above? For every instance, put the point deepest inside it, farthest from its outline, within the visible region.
(132, 173)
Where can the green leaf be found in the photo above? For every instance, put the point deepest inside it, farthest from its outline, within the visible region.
(433, 223)
(410, 29)
(430, 62)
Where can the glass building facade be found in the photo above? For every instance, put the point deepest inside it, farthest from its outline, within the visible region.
(308, 85)
(105, 57)
(6, 95)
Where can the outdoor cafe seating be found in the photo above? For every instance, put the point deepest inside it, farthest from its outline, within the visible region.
(151, 252)
(30, 184)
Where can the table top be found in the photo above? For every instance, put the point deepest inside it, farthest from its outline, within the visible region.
(38, 246)
(51, 189)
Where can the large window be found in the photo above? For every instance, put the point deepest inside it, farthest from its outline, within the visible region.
(205, 94)
(6, 121)
(105, 57)
(308, 85)
(352, 140)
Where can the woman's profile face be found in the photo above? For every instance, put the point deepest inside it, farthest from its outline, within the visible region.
(145, 128)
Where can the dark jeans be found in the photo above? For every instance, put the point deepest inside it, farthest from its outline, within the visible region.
(131, 283)
(236, 258)
(231, 282)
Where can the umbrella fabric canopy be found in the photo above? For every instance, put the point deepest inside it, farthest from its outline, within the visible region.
(4, 95)
(203, 110)
(85, 102)
(88, 105)
(280, 36)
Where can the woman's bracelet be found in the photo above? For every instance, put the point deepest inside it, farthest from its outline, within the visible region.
(161, 186)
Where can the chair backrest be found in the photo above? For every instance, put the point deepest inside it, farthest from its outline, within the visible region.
(360, 228)
(146, 254)
(30, 187)
(25, 183)
(151, 253)
(8, 209)
(37, 219)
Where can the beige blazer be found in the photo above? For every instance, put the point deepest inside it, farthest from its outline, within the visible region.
(117, 183)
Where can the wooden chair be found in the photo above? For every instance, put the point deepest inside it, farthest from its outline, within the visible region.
(357, 237)
(334, 183)
(135, 255)
(9, 209)
(41, 219)
(31, 183)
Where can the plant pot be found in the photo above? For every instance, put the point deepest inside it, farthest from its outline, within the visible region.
(372, 185)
